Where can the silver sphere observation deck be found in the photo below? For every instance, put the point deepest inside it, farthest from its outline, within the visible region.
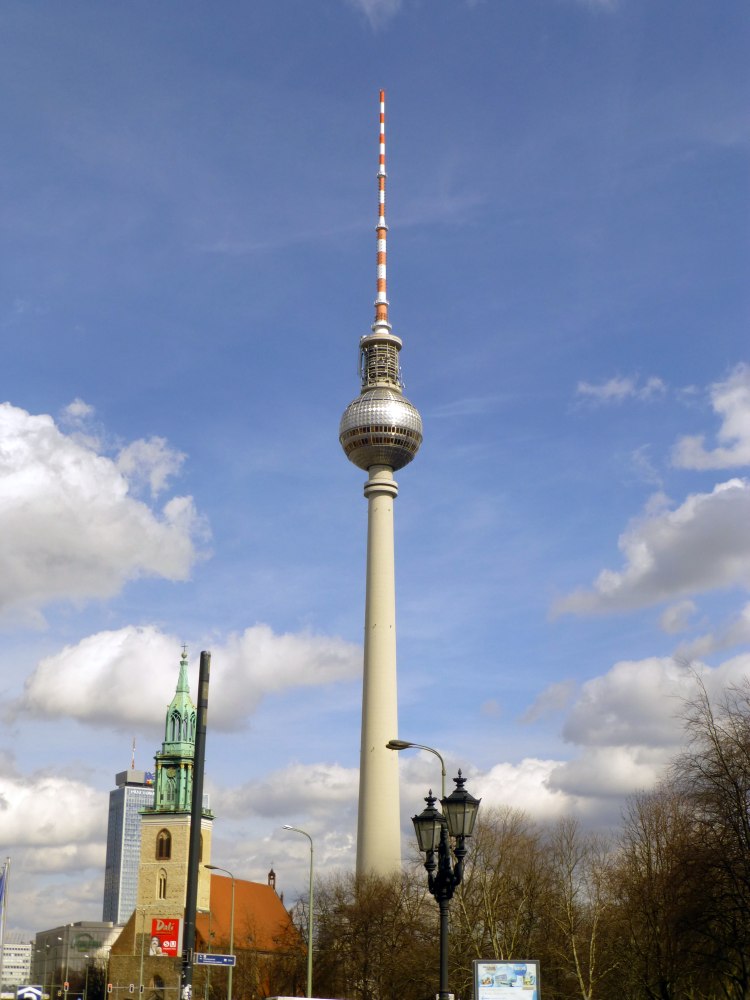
(380, 427)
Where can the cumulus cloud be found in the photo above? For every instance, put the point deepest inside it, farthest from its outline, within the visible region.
(627, 725)
(525, 786)
(619, 388)
(731, 401)
(30, 817)
(701, 545)
(676, 618)
(316, 790)
(71, 530)
(608, 773)
(734, 633)
(552, 699)
(636, 703)
(149, 463)
(102, 679)
(77, 412)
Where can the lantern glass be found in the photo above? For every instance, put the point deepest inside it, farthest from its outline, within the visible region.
(428, 825)
(460, 809)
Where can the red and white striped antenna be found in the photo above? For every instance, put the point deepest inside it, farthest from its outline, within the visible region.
(381, 302)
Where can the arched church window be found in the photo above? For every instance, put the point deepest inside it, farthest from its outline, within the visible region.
(162, 886)
(192, 727)
(163, 845)
(176, 726)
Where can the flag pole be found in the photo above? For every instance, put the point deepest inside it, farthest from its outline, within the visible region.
(3, 908)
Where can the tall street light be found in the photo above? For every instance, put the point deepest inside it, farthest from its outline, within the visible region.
(433, 829)
(216, 868)
(304, 833)
(406, 745)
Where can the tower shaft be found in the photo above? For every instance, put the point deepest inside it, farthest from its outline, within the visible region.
(380, 432)
(378, 823)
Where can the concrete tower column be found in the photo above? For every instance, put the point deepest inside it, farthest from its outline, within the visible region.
(378, 826)
(380, 432)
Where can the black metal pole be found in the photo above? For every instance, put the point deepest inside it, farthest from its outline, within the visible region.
(444, 886)
(444, 992)
(196, 814)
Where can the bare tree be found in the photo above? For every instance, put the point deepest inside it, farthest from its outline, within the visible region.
(659, 894)
(375, 939)
(714, 774)
(499, 908)
(583, 912)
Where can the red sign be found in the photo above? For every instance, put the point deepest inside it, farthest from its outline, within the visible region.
(165, 936)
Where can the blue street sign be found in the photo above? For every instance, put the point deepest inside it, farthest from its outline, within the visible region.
(210, 958)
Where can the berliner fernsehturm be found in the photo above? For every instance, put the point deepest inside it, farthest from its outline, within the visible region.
(380, 432)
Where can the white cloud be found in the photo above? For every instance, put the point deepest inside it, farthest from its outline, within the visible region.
(552, 699)
(377, 12)
(313, 789)
(149, 462)
(77, 411)
(619, 388)
(70, 529)
(30, 811)
(636, 703)
(702, 545)
(102, 679)
(735, 633)
(676, 618)
(258, 662)
(731, 401)
(608, 773)
(525, 786)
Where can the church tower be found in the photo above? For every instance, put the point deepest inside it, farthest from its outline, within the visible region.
(165, 826)
(380, 432)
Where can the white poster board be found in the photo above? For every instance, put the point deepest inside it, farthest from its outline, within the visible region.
(517, 980)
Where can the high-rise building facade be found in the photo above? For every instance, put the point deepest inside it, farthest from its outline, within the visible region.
(380, 432)
(134, 792)
(16, 965)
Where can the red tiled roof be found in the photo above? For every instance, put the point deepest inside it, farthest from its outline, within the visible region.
(260, 920)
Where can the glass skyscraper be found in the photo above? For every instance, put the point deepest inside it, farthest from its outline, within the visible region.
(135, 791)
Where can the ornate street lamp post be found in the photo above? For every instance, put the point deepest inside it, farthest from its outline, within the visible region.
(433, 829)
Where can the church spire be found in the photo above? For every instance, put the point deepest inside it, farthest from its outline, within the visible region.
(179, 727)
(174, 765)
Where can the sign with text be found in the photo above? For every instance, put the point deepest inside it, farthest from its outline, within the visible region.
(166, 936)
(517, 980)
(213, 958)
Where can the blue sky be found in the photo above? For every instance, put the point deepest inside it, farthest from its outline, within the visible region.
(188, 262)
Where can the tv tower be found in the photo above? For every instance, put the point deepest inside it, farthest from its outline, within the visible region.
(380, 432)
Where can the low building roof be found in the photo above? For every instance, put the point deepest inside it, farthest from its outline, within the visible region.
(260, 920)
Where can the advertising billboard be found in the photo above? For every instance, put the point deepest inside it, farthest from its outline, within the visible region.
(166, 936)
(517, 980)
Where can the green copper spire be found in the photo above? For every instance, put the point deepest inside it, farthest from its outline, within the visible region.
(174, 765)
(179, 728)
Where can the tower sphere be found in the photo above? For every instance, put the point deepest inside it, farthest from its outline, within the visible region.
(380, 427)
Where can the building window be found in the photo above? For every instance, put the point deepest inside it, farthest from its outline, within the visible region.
(162, 892)
(163, 845)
